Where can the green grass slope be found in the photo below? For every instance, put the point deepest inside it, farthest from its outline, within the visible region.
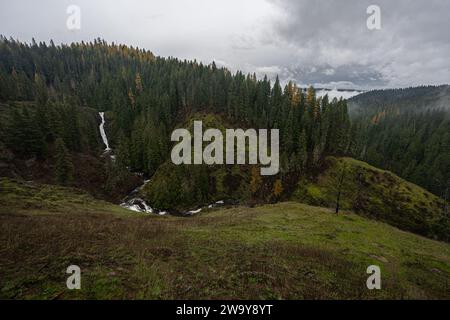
(282, 251)
(379, 195)
(21, 197)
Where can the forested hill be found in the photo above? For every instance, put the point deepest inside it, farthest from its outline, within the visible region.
(404, 100)
(406, 131)
(146, 97)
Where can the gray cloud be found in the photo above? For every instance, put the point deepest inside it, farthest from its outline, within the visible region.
(323, 42)
(410, 48)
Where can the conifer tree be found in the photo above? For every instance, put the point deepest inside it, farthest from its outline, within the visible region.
(123, 151)
(64, 166)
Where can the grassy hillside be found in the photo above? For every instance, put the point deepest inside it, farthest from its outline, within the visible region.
(377, 194)
(282, 251)
(20, 197)
(366, 190)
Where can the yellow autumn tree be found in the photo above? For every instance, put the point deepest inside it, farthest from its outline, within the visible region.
(132, 98)
(138, 82)
(311, 96)
(313, 103)
(277, 189)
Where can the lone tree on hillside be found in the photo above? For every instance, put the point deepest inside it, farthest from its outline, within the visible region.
(339, 187)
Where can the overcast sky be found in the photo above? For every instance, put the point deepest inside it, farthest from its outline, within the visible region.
(321, 42)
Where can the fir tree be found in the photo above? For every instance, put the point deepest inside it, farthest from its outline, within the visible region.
(64, 166)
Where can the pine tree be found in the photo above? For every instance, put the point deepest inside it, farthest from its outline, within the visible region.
(123, 151)
(64, 166)
(24, 134)
(16, 131)
(40, 90)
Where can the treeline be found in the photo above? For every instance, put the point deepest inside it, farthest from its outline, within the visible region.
(148, 96)
(406, 131)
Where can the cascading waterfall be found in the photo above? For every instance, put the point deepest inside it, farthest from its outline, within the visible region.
(132, 201)
(102, 131)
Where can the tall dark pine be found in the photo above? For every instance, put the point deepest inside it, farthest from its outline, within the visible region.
(64, 166)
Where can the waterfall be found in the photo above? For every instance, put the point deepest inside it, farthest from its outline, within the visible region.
(102, 131)
(132, 201)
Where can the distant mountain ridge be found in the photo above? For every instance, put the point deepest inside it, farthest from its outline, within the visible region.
(413, 99)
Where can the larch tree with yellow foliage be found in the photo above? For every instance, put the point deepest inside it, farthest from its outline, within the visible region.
(277, 189)
(256, 181)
